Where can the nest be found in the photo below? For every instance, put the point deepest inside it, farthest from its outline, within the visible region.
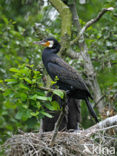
(100, 139)
(66, 144)
(36, 144)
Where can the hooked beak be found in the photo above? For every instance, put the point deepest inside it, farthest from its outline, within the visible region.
(39, 43)
(43, 43)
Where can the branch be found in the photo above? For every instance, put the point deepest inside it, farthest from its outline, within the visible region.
(60, 118)
(66, 16)
(66, 23)
(89, 23)
(101, 98)
(72, 54)
(106, 124)
(57, 125)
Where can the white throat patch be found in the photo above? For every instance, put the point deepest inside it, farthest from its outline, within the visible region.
(51, 44)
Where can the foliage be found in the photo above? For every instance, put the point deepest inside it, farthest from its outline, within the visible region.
(24, 102)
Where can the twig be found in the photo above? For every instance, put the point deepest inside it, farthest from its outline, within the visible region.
(60, 118)
(99, 100)
(106, 128)
(49, 89)
(89, 23)
(73, 54)
(57, 125)
(20, 131)
(108, 123)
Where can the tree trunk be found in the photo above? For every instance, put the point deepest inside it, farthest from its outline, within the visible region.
(88, 66)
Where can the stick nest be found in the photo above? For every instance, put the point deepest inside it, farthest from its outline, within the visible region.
(66, 144)
(34, 144)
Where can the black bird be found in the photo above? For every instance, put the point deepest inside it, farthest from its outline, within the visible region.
(68, 78)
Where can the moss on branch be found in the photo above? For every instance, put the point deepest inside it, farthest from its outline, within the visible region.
(66, 23)
(66, 16)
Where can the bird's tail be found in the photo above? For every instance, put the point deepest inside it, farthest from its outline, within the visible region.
(90, 108)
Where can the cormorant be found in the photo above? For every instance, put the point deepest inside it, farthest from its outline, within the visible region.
(68, 78)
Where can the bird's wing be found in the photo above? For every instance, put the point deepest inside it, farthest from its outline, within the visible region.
(66, 74)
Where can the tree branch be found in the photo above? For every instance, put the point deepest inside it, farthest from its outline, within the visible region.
(88, 66)
(66, 16)
(66, 23)
(89, 23)
(72, 54)
(101, 98)
(57, 125)
(106, 124)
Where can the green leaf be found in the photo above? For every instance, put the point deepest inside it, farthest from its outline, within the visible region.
(56, 105)
(9, 104)
(1, 81)
(34, 97)
(28, 80)
(34, 113)
(14, 70)
(59, 93)
(44, 98)
(49, 106)
(19, 115)
(22, 86)
(11, 81)
(46, 114)
(23, 96)
(23, 114)
(38, 105)
(7, 92)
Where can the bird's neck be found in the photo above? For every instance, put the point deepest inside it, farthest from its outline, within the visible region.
(46, 55)
(49, 52)
(54, 50)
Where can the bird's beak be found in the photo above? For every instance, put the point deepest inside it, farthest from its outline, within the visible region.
(43, 43)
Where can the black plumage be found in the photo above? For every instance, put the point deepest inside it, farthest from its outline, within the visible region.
(68, 78)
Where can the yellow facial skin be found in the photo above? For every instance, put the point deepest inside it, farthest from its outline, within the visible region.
(45, 44)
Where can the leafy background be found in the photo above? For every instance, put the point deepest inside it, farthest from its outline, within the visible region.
(22, 103)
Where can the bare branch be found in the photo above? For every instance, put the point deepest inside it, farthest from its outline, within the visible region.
(106, 124)
(57, 124)
(72, 54)
(89, 23)
(104, 129)
(101, 98)
(56, 128)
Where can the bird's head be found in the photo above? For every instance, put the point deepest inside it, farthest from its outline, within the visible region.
(50, 42)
